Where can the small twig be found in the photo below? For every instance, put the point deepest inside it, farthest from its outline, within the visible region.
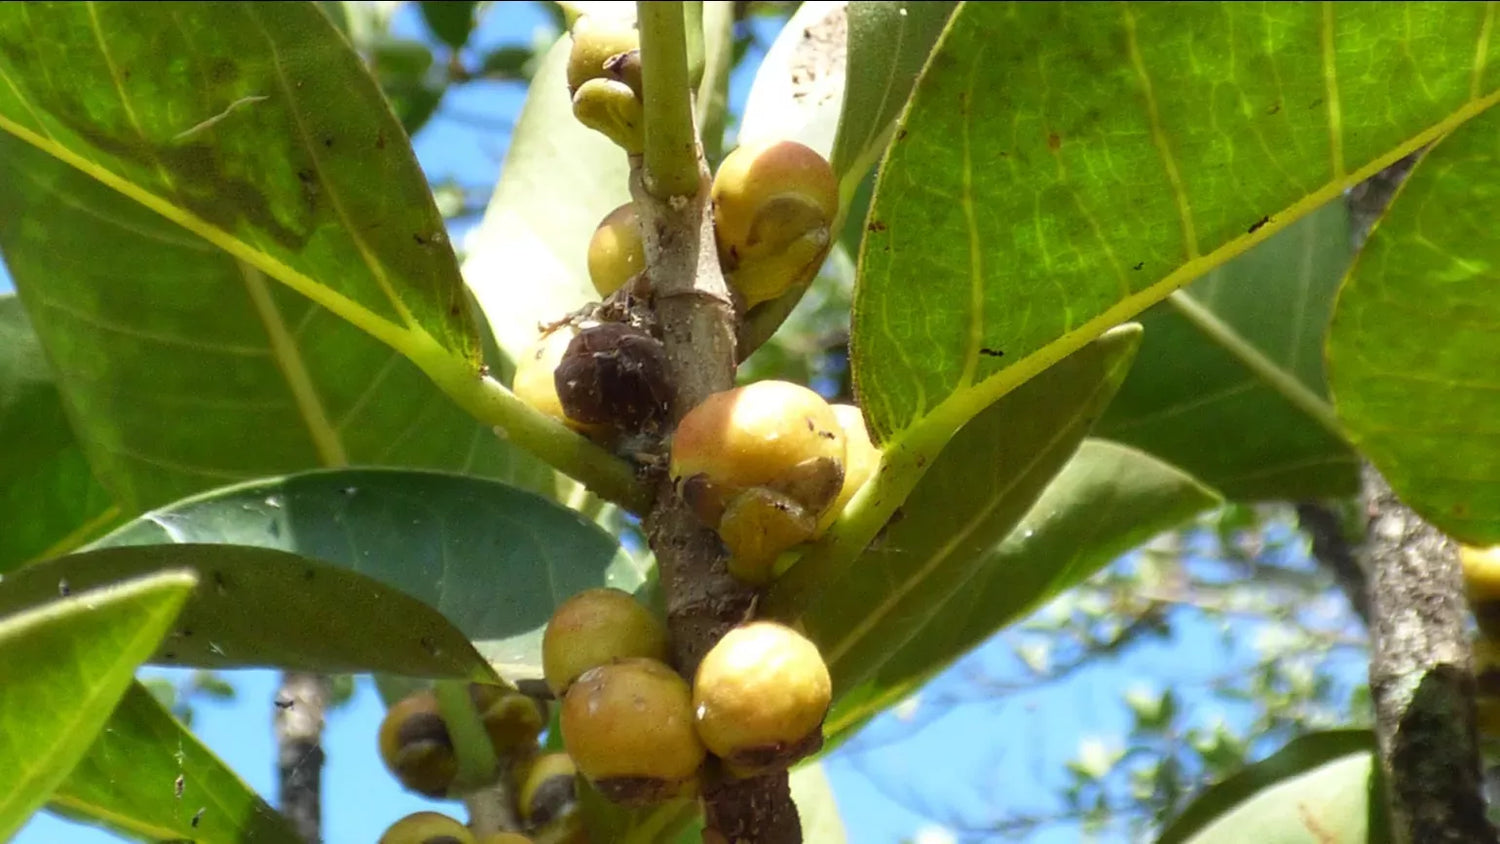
(1421, 678)
(298, 723)
(1331, 547)
(671, 140)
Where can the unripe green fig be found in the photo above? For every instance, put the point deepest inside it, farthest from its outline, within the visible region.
(416, 747)
(616, 252)
(595, 43)
(774, 208)
(760, 696)
(427, 828)
(595, 627)
(609, 107)
(774, 434)
(861, 459)
(628, 726)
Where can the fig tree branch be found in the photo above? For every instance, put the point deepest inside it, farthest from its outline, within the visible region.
(695, 313)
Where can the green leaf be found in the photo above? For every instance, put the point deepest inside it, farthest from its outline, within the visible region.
(1412, 358)
(1107, 500)
(263, 607)
(450, 20)
(129, 783)
(1049, 184)
(181, 365)
(1316, 789)
(980, 487)
(255, 127)
(888, 45)
(527, 261)
(47, 491)
(1229, 384)
(70, 658)
(494, 560)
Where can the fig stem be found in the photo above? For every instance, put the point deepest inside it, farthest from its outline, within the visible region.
(671, 153)
(471, 744)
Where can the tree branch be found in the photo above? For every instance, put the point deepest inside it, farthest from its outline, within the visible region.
(1324, 525)
(298, 724)
(694, 311)
(1421, 677)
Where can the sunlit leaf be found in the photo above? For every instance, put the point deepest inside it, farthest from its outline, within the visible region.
(1063, 166)
(978, 489)
(494, 560)
(47, 491)
(147, 776)
(1315, 790)
(1229, 384)
(69, 659)
(1105, 501)
(1412, 356)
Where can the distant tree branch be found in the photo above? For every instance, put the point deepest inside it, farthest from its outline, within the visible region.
(1324, 525)
(298, 723)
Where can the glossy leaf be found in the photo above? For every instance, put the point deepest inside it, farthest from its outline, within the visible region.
(978, 489)
(252, 126)
(262, 607)
(1049, 184)
(1229, 383)
(1107, 500)
(1412, 357)
(183, 365)
(888, 45)
(70, 658)
(527, 261)
(129, 783)
(47, 491)
(1316, 789)
(494, 560)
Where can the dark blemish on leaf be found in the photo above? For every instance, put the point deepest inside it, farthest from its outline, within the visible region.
(186, 632)
(1256, 226)
(197, 816)
(1275, 109)
(283, 702)
(220, 583)
(430, 646)
(454, 311)
(380, 140)
(1139, 265)
(484, 370)
(125, 74)
(900, 134)
(177, 786)
(309, 574)
(1054, 141)
(991, 353)
(421, 241)
(169, 655)
(63, 588)
(921, 460)
(1315, 103)
(328, 141)
(876, 226)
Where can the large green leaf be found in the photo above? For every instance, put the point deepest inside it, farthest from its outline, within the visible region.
(68, 660)
(1063, 166)
(264, 607)
(1317, 790)
(47, 491)
(1229, 383)
(980, 487)
(147, 776)
(181, 364)
(494, 560)
(888, 44)
(1412, 355)
(1105, 501)
(255, 127)
(527, 261)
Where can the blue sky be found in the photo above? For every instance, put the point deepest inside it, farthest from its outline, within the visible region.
(973, 761)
